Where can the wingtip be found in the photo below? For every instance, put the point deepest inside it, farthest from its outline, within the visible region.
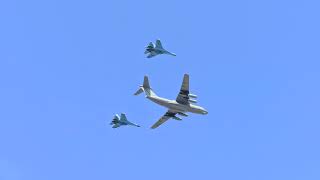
(153, 127)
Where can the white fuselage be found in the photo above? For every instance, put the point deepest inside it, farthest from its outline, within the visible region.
(177, 107)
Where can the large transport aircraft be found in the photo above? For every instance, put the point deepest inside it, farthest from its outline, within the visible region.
(183, 103)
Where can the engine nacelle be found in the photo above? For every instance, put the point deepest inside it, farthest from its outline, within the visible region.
(176, 118)
(192, 101)
(193, 96)
(183, 114)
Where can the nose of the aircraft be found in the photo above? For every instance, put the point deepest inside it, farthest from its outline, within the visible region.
(205, 112)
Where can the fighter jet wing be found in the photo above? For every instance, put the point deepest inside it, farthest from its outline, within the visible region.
(152, 54)
(116, 126)
(163, 119)
(158, 44)
(183, 96)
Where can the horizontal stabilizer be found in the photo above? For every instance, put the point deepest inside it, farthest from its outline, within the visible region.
(139, 91)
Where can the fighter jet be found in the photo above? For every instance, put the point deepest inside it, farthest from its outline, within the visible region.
(121, 121)
(157, 49)
(183, 103)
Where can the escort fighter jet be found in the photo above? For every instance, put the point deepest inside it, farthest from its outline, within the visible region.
(153, 50)
(121, 121)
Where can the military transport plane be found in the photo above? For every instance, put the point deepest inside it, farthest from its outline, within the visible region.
(157, 49)
(180, 106)
(121, 121)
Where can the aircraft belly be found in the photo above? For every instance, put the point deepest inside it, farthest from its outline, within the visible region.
(157, 51)
(178, 107)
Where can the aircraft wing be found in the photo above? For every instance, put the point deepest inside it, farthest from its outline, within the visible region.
(158, 44)
(116, 126)
(183, 96)
(163, 119)
(152, 54)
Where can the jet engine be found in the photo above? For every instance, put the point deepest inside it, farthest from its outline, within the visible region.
(176, 118)
(192, 101)
(192, 95)
(183, 114)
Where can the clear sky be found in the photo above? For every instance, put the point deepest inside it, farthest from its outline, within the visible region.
(67, 66)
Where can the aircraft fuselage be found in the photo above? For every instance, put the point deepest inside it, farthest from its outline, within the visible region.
(159, 51)
(156, 50)
(177, 107)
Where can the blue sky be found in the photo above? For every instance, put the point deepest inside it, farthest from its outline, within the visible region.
(67, 66)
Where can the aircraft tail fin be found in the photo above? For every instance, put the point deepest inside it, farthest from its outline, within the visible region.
(115, 119)
(159, 44)
(146, 83)
(123, 117)
(145, 88)
(150, 45)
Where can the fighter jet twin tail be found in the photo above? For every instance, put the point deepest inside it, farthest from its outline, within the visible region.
(184, 103)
